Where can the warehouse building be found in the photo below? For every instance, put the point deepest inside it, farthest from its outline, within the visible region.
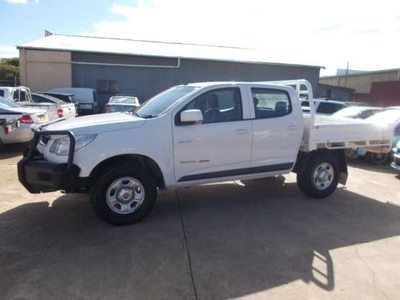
(380, 88)
(145, 68)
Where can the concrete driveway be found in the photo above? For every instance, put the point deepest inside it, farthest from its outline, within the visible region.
(259, 239)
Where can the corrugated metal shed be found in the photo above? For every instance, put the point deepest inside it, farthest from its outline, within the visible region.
(362, 81)
(165, 49)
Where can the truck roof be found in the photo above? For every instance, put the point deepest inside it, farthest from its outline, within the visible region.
(13, 87)
(216, 83)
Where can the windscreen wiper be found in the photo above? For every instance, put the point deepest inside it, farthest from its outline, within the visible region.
(148, 116)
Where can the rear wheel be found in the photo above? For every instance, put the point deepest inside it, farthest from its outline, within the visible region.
(377, 158)
(123, 195)
(321, 176)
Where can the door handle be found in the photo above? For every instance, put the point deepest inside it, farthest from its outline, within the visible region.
(293, 127)
(242, 131)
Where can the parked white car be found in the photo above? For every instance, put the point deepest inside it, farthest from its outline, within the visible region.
(195, 134)
(28, 117)
(56, 107)
(357, 112)
(387, 117)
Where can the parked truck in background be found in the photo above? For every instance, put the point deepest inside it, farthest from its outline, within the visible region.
(23, 96)
(195, 134)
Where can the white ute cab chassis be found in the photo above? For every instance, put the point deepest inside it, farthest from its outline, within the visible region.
(195, 134)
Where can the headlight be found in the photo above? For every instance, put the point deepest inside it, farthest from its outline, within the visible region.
(61, 146)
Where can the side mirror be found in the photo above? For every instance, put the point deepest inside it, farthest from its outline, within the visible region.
(191, 116)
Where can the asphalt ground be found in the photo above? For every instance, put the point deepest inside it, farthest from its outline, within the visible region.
(258, 239)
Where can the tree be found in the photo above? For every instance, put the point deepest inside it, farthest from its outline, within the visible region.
(9, 70)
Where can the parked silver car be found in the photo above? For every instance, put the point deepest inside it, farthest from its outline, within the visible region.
(122, 103)
(28, 117)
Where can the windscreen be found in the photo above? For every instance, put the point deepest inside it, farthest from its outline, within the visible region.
(162, 102)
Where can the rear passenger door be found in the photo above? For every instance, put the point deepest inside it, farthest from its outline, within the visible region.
(277, 129)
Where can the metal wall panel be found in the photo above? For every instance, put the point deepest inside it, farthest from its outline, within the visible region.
(361, 82)
(145, 82)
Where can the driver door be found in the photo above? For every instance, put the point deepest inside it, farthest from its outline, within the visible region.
(218, 147)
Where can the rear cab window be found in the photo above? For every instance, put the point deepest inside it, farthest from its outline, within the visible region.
(270, 103)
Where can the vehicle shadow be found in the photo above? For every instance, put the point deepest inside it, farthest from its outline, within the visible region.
(12, 150)
(242, 237)
(365, 165)
(63, 250)
(259, 235)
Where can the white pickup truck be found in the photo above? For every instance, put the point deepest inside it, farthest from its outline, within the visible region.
(195, 134)
(23, 96)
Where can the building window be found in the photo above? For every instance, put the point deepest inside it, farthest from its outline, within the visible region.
(107, 86)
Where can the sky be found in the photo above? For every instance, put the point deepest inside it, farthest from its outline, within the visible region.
(365, 34)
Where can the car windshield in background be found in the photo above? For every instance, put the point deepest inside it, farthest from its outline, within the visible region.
(6, 103)
(127, 100)
(38, 98)
(164, 101)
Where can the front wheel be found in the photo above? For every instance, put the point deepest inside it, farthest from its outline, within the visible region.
(321, 176)
(123, 195)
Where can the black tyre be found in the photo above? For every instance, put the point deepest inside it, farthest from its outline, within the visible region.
(321, 176)
(123, 194)
(377, 158)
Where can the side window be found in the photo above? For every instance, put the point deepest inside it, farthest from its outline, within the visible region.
(222, 105)
(19, 96)
(15, 96)
(338, 107)
(269, 103)
(1, 93)
(23, 96)
(324, 108)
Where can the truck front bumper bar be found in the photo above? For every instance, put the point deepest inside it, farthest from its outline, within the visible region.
(39, 175)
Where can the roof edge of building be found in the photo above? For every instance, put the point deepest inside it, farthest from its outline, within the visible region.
(176, 57)
(27, 46)
(362, 73)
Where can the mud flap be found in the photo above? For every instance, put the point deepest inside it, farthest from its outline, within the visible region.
(343, 178)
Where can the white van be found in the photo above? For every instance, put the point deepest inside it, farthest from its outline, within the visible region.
(86, 98)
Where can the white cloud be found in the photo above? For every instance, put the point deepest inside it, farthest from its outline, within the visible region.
(364, 33)
(17, 1)
(8, 51)
(20, 1)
